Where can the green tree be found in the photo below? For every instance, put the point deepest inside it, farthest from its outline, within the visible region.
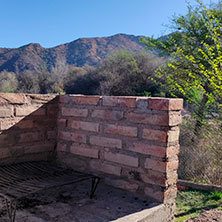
(195, 51)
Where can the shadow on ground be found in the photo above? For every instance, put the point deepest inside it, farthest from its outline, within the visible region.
(72, 203)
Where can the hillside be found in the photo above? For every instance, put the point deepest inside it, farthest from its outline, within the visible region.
(81, 52)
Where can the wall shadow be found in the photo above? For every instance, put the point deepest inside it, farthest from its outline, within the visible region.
(28, 127)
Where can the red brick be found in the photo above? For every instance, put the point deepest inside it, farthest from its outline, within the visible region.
(38, 148)
(86, 100)
(175, 118)
(76, 137)
(51, 134)
(167, 196)
(61, 147)
(5, 153)
(105, 168)
(159, 178)
(173, 135)
(4, 139)
(142, 103)
(52, 109)
(12, 98)
(157, 195)
(87, 126)
(84, 151)
(107, 114)
(119, 101)
(121, 159)
(64, 98)
(120, 130)
(160, 166)
(161, 136)
(27, 110)
(30, 137)
(170, 194)
(148, 149)
(43, 123)
(155, 165)
(165, 104)
(147, 118)
(42, 98)
(172, 151)
(122, 184)
(39, 112)
(74, 112)
(25, 124)
(6, 112)
(75, 162)
(172, 165)
(106, 142)
(62, 122)
(172, 178)
(156, 135)
(154, 177)
(171, 119)
(8, 123)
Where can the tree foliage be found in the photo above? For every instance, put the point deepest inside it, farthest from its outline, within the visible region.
(121, 73)
(195, 50)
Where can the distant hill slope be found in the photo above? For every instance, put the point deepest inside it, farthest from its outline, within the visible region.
(81, 52)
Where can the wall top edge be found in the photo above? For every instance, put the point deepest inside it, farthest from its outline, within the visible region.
(133, 97)
(156, 103)
(22, 98)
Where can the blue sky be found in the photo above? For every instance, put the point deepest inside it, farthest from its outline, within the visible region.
(54, 22)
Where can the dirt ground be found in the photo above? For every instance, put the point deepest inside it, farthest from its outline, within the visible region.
(208, 216)
(72, 204)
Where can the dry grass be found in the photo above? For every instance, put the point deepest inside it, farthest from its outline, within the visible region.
(201, 159)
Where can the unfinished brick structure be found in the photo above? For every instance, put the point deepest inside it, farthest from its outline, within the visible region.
(131, 142)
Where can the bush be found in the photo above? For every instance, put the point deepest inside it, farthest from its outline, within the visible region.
(121, 74)
(8, 82)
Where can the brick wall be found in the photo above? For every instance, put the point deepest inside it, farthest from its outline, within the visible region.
(27, 127)
(131, 142)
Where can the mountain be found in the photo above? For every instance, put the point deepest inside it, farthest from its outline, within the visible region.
(81, 52)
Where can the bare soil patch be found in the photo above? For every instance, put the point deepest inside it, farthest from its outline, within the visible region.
(214, 215)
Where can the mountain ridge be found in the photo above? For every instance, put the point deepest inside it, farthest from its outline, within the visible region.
(80, 52)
